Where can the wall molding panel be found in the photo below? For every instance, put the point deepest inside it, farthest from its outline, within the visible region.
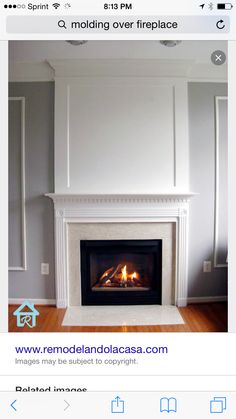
(164, 164)
(23, 266)
(219, 175)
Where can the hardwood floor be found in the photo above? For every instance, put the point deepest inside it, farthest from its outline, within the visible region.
(197, 317)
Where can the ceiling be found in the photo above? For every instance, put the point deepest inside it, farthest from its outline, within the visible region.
(39, 51)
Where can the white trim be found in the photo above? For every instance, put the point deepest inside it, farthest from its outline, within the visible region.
(132, 208)
(174, 138)
(213, 299)
(68, 135)
(181, 68)
(216, 221)
(70, 199)
(37, 301)
(23, 214)
(64, 87)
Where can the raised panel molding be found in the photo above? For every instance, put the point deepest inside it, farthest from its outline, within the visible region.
(65, 112)
(218, 177)
(23, 266)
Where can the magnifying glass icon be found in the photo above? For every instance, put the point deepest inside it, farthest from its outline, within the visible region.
(61, 24)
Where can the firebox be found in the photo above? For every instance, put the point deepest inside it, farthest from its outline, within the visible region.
(121, 272)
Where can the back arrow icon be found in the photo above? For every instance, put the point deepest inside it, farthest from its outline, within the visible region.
(12, 405)
(67, 405)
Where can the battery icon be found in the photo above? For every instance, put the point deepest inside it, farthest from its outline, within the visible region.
(224, 6)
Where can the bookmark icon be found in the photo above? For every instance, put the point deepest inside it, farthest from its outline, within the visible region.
(168, 404)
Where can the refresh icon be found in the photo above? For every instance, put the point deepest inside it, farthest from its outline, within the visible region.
(220, 24)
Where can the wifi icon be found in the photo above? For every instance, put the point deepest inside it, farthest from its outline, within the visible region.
(56, 5)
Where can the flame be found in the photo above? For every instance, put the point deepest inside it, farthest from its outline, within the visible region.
(124, 273)
(121, 276)
(134, 275)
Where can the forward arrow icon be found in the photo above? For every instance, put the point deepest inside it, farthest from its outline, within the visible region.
(67, 405)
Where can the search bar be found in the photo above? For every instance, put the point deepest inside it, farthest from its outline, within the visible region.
(118, 24)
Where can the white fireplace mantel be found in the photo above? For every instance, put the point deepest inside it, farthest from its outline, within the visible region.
(163, 207)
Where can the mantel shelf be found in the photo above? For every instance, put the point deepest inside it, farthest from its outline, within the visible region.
(122, 198)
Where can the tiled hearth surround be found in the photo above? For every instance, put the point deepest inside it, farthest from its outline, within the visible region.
(121, 231)
(72, 211)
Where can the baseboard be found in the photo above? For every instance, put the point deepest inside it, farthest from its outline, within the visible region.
(36, 301)
(216, 299)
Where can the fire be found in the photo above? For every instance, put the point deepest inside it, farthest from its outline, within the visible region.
(121, 276)
(124, 276)
(134, 275)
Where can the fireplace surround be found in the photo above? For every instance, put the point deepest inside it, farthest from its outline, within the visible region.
(92, 217)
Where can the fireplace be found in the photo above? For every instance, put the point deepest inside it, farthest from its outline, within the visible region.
(121, 272)
(121, 217)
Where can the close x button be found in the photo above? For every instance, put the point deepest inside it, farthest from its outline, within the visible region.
(218, 57)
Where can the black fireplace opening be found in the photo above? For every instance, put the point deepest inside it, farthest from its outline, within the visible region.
(121, 272)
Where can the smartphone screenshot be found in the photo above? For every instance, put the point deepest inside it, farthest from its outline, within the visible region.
(117, 291)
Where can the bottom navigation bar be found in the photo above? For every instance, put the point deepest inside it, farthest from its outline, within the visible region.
(135, 405)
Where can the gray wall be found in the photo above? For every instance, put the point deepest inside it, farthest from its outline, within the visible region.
(39, 171)
(202, 180)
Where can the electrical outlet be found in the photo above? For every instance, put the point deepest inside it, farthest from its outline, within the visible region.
(44, 268)
(207, 266)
